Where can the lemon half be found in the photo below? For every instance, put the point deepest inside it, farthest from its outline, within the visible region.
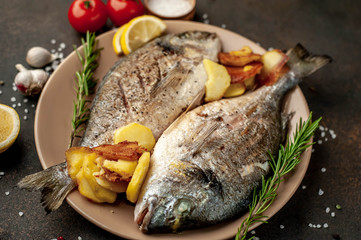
(139, 31)
(9, 126)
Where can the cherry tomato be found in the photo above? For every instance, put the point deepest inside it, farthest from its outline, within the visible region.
(87, 15)
(121, 11)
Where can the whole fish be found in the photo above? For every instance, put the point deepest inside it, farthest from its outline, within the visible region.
(205, 166)
(152, 86)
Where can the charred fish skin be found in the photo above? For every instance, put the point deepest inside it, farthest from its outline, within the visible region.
(204, 169)
(152, 86)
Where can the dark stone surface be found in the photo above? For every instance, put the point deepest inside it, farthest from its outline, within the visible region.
(331, 27)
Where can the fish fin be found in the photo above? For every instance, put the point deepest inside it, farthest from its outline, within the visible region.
(202, 135)
(176, 75)
(195, 102)
(303, 63)
(54, 184)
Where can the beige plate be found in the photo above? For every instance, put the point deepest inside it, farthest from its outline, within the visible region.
(52, 130)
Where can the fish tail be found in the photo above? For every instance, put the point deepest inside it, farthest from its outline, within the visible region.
(54, 184)
(303, 63)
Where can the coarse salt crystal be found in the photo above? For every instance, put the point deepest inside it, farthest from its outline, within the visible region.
(21, 214)
(15, 89)
(320, 192)
(314, 225)
(26, 110)
(206, 21)
(79, 238)
(52, 50)
(328, 210)
(270, 48)
(321, 128)
(1, 92)
(318, 225)
(52, 41)
(19, 104)
(325, 225)
(48, 68)
(170, 8)
(223, 25)
(25, 100)
(60, 49)
(323, 134)
(7, 193)
(310, 224)
(2, 173)
(304, 187)
(32, 105)
(319, 141)
(333, 214)
(282, 227)
(13, 99)
(205, 16)
(256, 238)
(25, 118)
(253, 232)
(62, 45)
(323, 169)
(14, 105)
(326, 139)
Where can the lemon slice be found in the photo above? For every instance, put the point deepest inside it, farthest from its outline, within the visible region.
(116, 40)
(139, 31)
(9, 126)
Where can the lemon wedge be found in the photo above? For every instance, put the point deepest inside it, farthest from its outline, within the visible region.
(9, 126)
(139, 31)
(116, 40)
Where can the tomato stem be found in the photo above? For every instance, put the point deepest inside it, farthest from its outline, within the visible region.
(87, 4)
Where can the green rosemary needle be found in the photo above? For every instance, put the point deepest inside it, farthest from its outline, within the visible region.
(84, 84)
(288, 158)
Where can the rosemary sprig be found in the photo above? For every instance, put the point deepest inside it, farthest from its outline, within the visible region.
(288, 158)
(84, 84)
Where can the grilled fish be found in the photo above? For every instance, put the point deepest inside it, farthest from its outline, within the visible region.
(205, 165)
(151, 86)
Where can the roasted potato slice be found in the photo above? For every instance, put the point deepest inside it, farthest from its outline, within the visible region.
(130, 151)
(135, 132)
(274, 62)
(75, 157)
(240, 74)
(137, 180)
(235, 89)
(218, 80)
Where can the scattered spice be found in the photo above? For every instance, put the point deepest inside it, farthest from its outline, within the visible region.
(60, 238)
(338, 206)
(2, 82)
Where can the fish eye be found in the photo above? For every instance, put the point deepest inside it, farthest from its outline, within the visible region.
(182, 207)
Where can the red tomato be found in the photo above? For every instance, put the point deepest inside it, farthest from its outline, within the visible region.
(121, 11)
(87, 15)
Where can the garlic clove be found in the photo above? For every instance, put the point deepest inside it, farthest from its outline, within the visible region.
(39, 57)
(30, 82)
(39, 77)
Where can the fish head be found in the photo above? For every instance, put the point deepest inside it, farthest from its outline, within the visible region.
(178, 201)
(193, 44)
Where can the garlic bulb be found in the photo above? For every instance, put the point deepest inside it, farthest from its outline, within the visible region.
(30, 82)
(39, 57)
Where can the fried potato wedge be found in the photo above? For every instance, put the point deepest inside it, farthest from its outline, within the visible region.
(130, 151)
(237, 61)
(274, 62)
(240, 74)
(235, 89)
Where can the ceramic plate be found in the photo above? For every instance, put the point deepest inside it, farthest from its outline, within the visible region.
(52, 131)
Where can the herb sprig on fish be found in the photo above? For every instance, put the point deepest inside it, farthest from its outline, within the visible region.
(85, 84)
(288, 159)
